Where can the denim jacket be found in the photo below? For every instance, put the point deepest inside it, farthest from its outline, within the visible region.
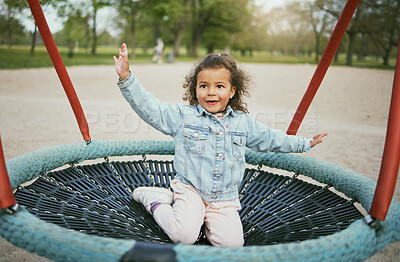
(209, 153)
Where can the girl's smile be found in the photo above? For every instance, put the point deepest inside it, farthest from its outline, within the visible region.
(214, 89)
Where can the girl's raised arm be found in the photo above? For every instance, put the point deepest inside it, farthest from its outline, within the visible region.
(122, 64)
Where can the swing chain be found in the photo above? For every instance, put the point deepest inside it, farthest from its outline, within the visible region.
(149, 173)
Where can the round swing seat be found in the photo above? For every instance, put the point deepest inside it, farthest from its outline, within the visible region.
(86, 212)
(96, 199)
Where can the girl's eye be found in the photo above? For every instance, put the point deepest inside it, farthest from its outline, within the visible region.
(203, 86)
(220, 86)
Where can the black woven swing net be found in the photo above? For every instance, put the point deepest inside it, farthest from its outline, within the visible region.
(97, 199)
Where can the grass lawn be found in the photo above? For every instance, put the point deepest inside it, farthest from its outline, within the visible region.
(19, 57)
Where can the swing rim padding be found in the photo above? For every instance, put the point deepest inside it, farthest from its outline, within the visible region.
(356, 243)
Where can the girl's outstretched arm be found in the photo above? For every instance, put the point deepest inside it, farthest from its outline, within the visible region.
(317, 139)
(122, 64)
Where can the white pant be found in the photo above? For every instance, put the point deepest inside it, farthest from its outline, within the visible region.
(182, 221)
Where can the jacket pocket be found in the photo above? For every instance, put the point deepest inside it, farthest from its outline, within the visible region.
(238, 145)
(195, 140)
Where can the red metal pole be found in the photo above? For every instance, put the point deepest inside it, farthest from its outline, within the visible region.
(6, 193)
(391, 154)
(60, 67)
(323, 65)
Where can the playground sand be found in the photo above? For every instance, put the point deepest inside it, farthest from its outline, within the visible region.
(351, 106)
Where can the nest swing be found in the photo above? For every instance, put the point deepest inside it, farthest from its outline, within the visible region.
(86, 213)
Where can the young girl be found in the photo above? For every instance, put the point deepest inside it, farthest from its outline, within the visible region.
(210, 137)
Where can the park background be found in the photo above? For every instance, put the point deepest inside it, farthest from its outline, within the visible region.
(278, 42)
(251, 30)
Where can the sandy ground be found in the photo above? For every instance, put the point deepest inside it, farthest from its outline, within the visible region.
(352, 106)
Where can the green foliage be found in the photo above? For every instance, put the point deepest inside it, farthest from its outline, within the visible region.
(76, 29)
(11, 31)
(18, 57)
(299, 29)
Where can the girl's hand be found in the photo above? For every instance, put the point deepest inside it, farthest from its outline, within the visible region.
(317, 139)
(122, 64)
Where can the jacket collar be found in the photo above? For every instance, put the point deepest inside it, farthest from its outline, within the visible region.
(201, 111)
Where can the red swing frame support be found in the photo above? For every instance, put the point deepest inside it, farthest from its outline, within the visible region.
(391, 158)
(7, 198)
(59, 66)
(391, 155)
(323, 65)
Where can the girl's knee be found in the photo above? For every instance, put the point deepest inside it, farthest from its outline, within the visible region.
(232, 237)
(184, 232)
(185, 237)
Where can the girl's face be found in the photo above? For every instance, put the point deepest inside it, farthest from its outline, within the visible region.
(214, 89)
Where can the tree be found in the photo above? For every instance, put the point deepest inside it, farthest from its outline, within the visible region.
(56, 4)
(215, 38)
(383, 25)
(352, 31)
(256, 36)
(180, 20)
(96, 6)
(201, 14)
(227, 15)
(319, 20)
(291, 27)
(130, 12)
(169, 17)
(76, 28)
(356, 26)
(77, 25)
(10, 27)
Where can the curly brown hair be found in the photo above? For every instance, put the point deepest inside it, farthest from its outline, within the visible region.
(238, 79)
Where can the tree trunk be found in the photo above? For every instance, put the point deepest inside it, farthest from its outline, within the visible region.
(195, 46)
(178, 38)
(386, 56)
(9, 29)
(350, 50)
(94, 35)
(336, 58)
(390, 41)
(317, 44)
(132, 28)
(87, 35)
(200, 22)
(178, 34)
(198, 36)
(33, 44)
(210, 49)
(10, 42)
